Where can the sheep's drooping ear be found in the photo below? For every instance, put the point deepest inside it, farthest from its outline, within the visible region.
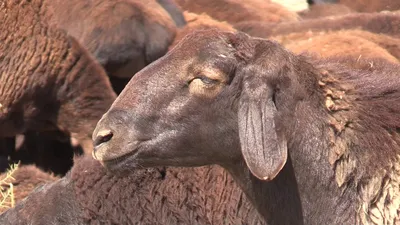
(264, 148)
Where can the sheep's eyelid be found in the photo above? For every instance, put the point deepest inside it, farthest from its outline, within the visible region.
(214, 74)
(206, 79)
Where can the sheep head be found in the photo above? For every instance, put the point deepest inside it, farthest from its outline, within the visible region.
(216, 98)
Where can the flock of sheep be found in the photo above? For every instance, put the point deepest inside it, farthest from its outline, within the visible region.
(200, 111)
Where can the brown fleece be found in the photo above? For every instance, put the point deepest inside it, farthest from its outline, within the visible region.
(234, 11)
(324, 10)
(371, 5)
(199, 22)
(385, 23)
(48, 81)
(90, 195)
(354, 43)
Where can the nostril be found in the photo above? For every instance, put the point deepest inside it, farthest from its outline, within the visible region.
(102, 137)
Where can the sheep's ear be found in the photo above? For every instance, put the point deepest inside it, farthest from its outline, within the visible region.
(263, 145)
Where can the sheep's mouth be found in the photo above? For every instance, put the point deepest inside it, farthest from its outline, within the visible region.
(110, 163)
(119, 160)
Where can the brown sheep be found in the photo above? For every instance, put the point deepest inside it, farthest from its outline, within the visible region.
(334, 44)
(25, 180)
(54, 155)
(310, 141)
(89, 195)
(325, 10)
(199, 22)
(355, 43)
(235, 11)
(371, 5)
(174, 11)
(385, 23)
(123, 35)
(47, 80)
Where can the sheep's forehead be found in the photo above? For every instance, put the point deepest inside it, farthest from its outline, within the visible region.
(208, 41)
(203, 50)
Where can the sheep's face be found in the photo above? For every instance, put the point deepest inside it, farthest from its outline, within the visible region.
(205, 102)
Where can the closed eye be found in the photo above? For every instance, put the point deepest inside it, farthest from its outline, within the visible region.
(205, 80)
(205, 86)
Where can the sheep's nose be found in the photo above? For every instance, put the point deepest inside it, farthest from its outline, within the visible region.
(102, 136)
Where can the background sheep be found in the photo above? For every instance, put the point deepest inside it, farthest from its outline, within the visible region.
(199, 22)
(357, 43)
(48, 81)
(314, 139)
(143, 29)
(371, 5)
(123, 35)
(354, 43)
(334, 44)
(324, 10)
(234, 11)
(385, 23)
(88, 195)
(174, 11)
(361, 5)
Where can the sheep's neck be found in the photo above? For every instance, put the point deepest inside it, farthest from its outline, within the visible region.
(282, 191)
(322, 182)
(308, 196)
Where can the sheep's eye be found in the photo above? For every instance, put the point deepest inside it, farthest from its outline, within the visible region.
(205, 80)
(205, 86)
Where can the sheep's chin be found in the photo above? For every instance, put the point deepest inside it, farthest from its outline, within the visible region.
(121, 165)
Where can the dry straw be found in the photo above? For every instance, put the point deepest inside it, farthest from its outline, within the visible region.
(7, 189)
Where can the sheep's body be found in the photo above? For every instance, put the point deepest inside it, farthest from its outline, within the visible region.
(316, 139)
(335, 44)
(116, 32)
(355, 43)
(47, 81)
(371, 5)
(234, 11)
(358, 43)
(88, 195)
(385, 23)
(351, 170)
(123, 35)
(199, 22)
(174, 11)
(324, 10)
(357, 136)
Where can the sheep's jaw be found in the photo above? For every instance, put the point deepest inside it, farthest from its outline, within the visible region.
(110, 159)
